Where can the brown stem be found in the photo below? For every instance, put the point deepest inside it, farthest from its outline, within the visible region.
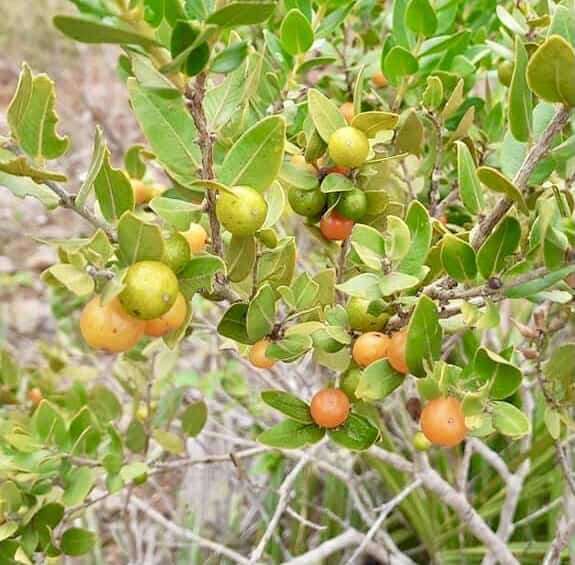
(536, 153)
(195, 97)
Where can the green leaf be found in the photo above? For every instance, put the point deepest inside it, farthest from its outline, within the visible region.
(243, 12)
(77, 541)
(333, 20)
(296, 33)
(417, 220)
(240, 257)
(255, 158)
(396, 282)
(501, 243)
(138, 240)
(357, 433)
(510, 22)
(324, 113)
(458, 259)
(314, 62)
(32, 118)
(133, 471)
(261, 313)
(169, 11)
(275, 198)
(519, 103)
(233, 324)
(21, 167)
(560, 367)
(290, 348)
(469, 188)
(87, 30)
(178, 214)
(365, 285)
(334, 182)
(504, 376)
(230, 58)
(552, 420)
(113, 190)
(288, 404)
(433, 93)
(291, 435)
(409, 138)
(305, 292)
(372, 122)
(169, 441)
(194, 418)
(424, 334)
(48, 425)
(23, 186)
(551, 71)
(199, 273)
(420, 17)
(73, 279)
(7, 530)
(49, 515)
(454, 101)
(136, 437)
(96, 163)
(401, 34)
(169, 129)
(509, 420)
(79, 484)
(378, 381)
(531, 288)
(189, 49)
(399, 62)
(277, 265)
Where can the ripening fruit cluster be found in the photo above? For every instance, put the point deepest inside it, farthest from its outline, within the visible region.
(150, 303)
(372, 346)
(348, 148)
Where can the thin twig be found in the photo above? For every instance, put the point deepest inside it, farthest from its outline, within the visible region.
(385, 510)
(520, 179)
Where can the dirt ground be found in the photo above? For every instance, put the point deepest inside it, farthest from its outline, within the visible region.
(88, 92)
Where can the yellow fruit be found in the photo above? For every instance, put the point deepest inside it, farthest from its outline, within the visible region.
(150, 290)
(243, 212)
(299, 161)
(347, 110)
(143, 192)
(170, 321)
(348, 147)
(109, 327)
(196, 237)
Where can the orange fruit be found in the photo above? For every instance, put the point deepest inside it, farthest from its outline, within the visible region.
(109, 327)
(169, 321)
(196, 237)
(334, 227)
(257, 355)
(370, 347)
(442, 422)
(329, 408)
(396, 351)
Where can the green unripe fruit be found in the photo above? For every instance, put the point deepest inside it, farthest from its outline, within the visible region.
(361, 320)
(176, 251)
(420, 442)
(348, 147)
(151, 288)
(505, 72)
(352, 204)
(306, 202)
(242, 212)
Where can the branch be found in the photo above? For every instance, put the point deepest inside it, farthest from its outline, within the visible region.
(436, 171)
(338, 543)
(195, 104)
(186, 533)
(467, 514)
(385, 510)
(284, 492)
(520, 179)
(565, 531)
